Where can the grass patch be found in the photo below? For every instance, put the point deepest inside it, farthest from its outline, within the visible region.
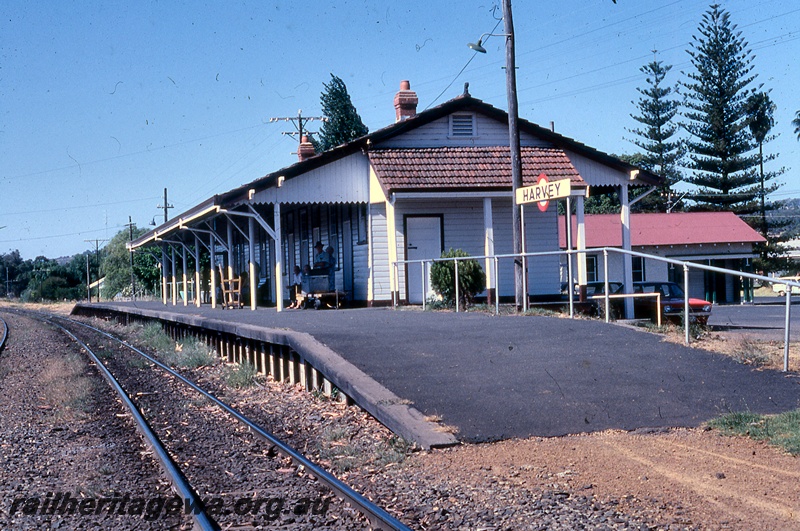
(153, 337)
(190, 354)
(543, 312)
(139, 362)
(193, 353)
(436, 303)
(343, 452)
(750, 352)
(69, 388)
(394, 450)
(336, 447)
(781, 430)
(241, 376)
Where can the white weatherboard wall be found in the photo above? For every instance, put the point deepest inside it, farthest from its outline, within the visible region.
(463, 229)
(489, 132)
(341, 181)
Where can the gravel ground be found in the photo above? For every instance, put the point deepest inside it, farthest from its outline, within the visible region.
(63, 431)
(223, 460)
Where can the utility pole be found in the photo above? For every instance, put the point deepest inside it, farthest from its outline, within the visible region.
(516, 156)
(133, 277)
(299, 123)
(166, 206)
(97, 259)
(88, 280)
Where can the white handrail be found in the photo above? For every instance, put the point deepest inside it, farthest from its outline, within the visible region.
(605, 250)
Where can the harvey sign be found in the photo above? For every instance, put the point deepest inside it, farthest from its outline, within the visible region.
(543, 191)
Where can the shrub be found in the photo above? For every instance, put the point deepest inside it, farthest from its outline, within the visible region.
(471, 278)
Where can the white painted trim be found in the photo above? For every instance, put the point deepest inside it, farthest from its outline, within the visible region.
(450, 195)
(692, 257)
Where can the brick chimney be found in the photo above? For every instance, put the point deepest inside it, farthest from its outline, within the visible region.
(306, 149)
(405, 102)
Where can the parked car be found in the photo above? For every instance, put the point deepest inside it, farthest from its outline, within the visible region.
(780, 289)
(672, 303)
(598, 289)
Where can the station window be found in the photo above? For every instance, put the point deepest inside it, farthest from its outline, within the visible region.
(362, 224)
(591, 268)
(638, 268)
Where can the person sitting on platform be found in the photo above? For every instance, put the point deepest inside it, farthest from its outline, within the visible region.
(321, 262)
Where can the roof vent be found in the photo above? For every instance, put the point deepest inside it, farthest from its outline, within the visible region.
(462, 125)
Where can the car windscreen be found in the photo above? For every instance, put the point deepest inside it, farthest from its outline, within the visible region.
(667, 290)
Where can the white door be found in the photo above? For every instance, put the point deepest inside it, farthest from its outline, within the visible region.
(423, 241)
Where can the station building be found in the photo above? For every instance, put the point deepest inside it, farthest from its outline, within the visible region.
(432, 180)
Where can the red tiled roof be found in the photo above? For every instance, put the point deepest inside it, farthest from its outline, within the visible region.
(678, 228)
(464, 168)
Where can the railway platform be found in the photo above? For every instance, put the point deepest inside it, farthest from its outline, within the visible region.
(499, 377)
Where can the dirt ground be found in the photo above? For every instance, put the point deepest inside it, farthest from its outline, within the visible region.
(675, 479)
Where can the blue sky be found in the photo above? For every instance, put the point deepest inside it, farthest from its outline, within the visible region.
(104, 104)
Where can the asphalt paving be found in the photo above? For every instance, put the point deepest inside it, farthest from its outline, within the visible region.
(498, 377)
(763, 320)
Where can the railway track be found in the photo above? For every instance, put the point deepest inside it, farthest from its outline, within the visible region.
(226, 469)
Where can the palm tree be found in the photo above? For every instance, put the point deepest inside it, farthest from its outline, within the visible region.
(760, 120)
(796, 124)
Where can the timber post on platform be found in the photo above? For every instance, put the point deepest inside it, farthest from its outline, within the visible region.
(164, 274)
(174, 277)
(581, 245)
(185, 276)
(278, 258)
(212, 249)
(488, 249)
(391, 237)
(229, 225)
(627, 260)
(197, 290)
(251, 230)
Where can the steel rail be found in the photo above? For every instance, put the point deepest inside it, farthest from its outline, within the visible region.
(377, 516)
(179, 481)
(4, 336)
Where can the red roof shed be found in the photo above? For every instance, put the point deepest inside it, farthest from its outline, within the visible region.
(677, 228)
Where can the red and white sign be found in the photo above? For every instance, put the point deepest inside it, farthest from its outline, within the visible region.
(543, 191)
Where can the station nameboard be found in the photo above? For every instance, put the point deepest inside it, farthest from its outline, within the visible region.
(543, 191)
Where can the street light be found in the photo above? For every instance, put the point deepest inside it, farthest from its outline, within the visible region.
(513, 141)
(478, 46)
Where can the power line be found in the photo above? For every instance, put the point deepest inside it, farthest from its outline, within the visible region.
(79, 233)
(124, 155)
(62, 209)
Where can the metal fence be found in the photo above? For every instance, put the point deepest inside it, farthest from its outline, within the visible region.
(686, 266)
